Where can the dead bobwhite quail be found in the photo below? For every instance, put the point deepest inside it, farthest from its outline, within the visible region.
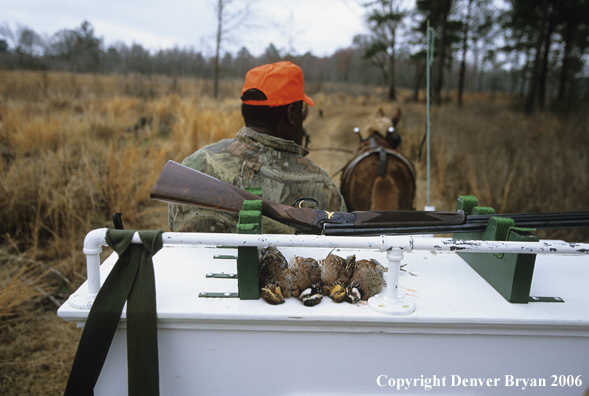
(304, 279)
(273, 276)
(367, 281)
(336, 274)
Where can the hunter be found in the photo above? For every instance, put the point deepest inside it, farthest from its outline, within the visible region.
(266, 153)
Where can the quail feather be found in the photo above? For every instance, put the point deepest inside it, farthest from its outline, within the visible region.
(367, 281)
(304, 279)
(273, 276)
(336, 273)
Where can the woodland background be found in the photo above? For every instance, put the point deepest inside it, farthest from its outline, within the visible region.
(534, 50)
(85, 131)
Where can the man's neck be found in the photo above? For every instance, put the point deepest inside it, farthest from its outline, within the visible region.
(262, 130)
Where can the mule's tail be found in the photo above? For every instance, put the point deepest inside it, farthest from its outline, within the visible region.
(384, 194)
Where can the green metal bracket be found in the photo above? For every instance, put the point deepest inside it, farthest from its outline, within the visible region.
(248, 278)
(218, 295)
(225, 256)
(510, 274)
(221, 275)
(250, 222)
(546, 299)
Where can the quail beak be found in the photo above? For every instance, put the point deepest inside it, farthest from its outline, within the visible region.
(272, 295)
(278, 292)
(337, 293)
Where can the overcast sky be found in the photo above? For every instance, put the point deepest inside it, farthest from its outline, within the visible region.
(318, 26)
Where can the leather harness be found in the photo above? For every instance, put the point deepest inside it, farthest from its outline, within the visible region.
(382, 152)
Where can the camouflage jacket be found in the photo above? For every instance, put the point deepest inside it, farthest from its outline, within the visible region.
(252, 159)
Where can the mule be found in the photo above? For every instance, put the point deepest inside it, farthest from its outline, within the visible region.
(378, 177)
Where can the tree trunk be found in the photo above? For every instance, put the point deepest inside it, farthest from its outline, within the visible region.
(218, 50)
(392, 60)
(441, 51)
(564, 70)
(475, 68)
(544, 73)
(392, 89)
(524, 76)
(419, 72)
(531, 99)
(464, 50)
(392, 82)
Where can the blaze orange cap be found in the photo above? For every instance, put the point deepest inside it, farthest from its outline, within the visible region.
(281, 82)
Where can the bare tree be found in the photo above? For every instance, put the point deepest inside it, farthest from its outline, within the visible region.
(22, 40)
(230, 15)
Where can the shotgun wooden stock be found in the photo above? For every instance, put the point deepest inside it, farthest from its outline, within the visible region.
(183, 185)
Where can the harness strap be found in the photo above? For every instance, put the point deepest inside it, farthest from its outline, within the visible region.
(132, 279)
(382, 161)
(352, 164)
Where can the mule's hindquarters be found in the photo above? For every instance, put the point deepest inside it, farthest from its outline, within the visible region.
(379, 179)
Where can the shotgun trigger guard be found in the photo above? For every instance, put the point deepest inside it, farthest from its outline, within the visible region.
(324, 217)
(306, 202)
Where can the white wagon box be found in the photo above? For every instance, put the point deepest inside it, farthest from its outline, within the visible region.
(452, 334)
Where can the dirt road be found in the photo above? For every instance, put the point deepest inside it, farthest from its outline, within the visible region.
(334, 132)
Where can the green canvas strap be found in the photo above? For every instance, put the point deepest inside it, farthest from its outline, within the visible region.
(131, 279)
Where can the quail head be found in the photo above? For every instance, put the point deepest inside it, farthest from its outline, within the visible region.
(304, 279)
(336, 273)
(273, 276)
(367, 281)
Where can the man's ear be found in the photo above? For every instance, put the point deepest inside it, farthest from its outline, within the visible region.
(290, 114)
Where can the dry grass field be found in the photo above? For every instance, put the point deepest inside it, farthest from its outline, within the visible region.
(78, 148)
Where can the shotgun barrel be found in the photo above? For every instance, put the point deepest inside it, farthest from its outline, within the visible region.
(473, 223)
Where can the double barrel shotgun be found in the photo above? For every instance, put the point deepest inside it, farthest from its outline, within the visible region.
(183, 185)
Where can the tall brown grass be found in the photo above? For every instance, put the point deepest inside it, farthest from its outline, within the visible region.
(511, 162)
(17, 288)
(78, 148)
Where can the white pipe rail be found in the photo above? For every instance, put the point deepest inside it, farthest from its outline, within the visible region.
(395, 245)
